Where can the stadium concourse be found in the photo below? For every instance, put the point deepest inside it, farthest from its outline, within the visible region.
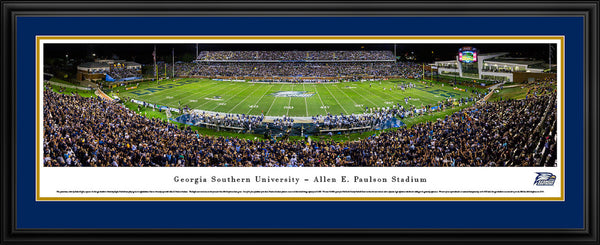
(94, 132)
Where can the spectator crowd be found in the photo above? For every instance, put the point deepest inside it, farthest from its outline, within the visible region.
(228, 120)
(121, 72)
(92, 132)
(302, 65)
(293, 55)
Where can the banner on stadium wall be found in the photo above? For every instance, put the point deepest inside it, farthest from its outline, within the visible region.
(228, 80)
(108, 78)
(161, 107)
(129, 79)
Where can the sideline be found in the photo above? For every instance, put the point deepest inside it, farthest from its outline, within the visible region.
(102, 95)
(68, 86)
(487, 96)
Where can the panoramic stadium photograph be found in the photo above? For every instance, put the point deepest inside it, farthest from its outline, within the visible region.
(300, 105)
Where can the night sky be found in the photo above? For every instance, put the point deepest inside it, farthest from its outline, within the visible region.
(142, 53)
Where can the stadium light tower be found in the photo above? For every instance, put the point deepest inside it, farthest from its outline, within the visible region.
(155, 69)
(455, 77)
(395, 60)
(550, 54)
(173, 68)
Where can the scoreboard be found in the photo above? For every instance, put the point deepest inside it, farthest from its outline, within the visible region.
(467, 55)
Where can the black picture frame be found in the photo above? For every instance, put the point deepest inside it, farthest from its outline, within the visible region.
(13, 9)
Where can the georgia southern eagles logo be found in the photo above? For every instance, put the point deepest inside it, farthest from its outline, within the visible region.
(544, 179)
(292, 94)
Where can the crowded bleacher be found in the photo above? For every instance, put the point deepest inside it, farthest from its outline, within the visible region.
(349, 55)
(298, 64)
(93, 132)
(245, 122)
(118, 73)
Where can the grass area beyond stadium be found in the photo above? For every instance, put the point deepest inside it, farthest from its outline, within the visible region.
(295, 100)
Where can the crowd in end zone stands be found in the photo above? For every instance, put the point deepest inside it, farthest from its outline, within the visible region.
(270, 64)
(91, 132)
(118, 73)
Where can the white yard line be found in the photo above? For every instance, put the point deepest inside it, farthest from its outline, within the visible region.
(213, 91)
(257, 87)
(273, 101)
(230, 98)
(168, 102)
(202, 91)
(346, 95)
(172, 100)
(266, 92)
(383, 98)
(290, 102)
(323, 104)
(336, 100)
(169, 92)
(305, 103)
(365, 98)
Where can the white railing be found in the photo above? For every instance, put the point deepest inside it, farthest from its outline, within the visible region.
(68, 86)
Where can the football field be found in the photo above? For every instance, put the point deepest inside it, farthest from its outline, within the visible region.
(295, 100)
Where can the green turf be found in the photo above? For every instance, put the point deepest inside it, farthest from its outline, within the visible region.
(433, 116)
(150, 113)
(510, 93)
(56, 80)
(254, 99)
(83, 93)
(463, 79)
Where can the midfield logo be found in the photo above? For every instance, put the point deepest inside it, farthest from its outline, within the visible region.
(292, 94)
(544, 179)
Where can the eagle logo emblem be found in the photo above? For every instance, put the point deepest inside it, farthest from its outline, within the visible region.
(544, 179)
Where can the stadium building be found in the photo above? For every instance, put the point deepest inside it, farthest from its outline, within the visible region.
(109, 70)
(92, 71)
(494, 66)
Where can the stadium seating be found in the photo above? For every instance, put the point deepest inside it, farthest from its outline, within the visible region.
(298, 65)
(92, 132)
